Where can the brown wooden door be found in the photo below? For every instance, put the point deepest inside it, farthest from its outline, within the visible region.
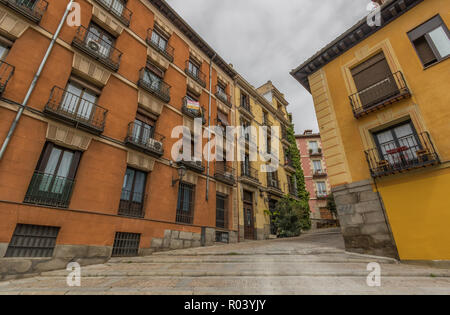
(374, 81)
(249, 222)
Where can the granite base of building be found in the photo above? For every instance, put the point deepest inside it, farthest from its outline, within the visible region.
(14, 268)
(363, 223)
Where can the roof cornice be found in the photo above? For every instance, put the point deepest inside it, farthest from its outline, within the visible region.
(390, 11)
(165, 9)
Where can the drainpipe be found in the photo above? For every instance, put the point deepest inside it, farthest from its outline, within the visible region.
(209, 125)
(34, 82)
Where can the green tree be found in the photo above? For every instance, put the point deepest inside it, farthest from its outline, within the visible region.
(331, 205)
(290, 217)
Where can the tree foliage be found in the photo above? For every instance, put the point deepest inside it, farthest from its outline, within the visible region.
(331, 205)
(291, 217)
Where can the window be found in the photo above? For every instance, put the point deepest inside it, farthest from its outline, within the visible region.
(153, 77)
(32, 241)
(245, 101)
(159, 40)
(194, 68)
(126, 244)
(133, 190)
(374, 80)
(143, 129)
(102, 39)
(5, 46)
(246, 129)
(79, 101)
(246, 165)
(317, 166)
(185, 205)
(221, 211)
(313, 146)
(53, 180)
(431, 41)
(321, 189)
(398, 144)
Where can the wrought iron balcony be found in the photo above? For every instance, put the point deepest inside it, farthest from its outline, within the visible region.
(193, 113)
(196, 166)
(154, 86)
(416, 151)
(118, 9)
(321, 195)
(273, 182)
(222, 96)
(319, 173)
(224, 173)
(49, 190)
(93, 45)
(31, 9)
(389, 90)
(197, 75)
(132, 204)
(165, 49)
(6, 72)
(144, 139)
(317, 152)
(75, 110)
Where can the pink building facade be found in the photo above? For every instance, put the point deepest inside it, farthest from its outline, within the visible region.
(316, 178)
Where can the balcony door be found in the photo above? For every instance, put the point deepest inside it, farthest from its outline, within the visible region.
(78, 101)
(398, 144)
(143, 130)
(159, 40)
(102, 42)
(153, 77)
(374, 81)
(54, 176)
(132, 197)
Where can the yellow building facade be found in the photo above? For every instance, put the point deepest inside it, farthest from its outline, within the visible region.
(258, 190)
(381, 97)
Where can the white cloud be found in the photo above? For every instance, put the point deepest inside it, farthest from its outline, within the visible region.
(266, 39)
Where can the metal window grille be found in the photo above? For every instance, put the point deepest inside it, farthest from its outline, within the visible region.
(185, 208)
(126, 244)
(32, 241)
(221, 211)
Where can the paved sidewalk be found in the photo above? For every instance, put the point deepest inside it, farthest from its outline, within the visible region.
(314, 263)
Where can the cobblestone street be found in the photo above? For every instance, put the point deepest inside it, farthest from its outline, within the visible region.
(311, 264)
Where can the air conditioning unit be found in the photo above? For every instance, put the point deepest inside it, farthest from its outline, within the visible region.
(156, 145)
(93, 45)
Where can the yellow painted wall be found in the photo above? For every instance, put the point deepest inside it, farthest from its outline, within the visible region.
(418, 207)
(417, 203)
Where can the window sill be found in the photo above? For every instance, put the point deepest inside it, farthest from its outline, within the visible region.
(436, 63)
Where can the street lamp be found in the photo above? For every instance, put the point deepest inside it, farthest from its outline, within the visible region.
(181, 173)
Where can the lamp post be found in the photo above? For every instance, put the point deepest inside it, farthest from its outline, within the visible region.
(181, 173)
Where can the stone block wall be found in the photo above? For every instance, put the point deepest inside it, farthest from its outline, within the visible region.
(363, 223)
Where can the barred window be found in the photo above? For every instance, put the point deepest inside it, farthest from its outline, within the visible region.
(126, 244)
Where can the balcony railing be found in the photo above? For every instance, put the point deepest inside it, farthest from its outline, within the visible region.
(75, 110)
(31, 9)
(317, 152)
(143, 138)
(49, 190)
(413, 152)
(389, 90)
(165, 49)
(197, 75)
(132, 204)
(249, 172)
(196, 166)
(321, 195)
(154, 86)
(193, 113)
(273, 182)
(319, 173)
(224, 173)
(6, 72)
(118, 9)
(99, 49)
(221, 95)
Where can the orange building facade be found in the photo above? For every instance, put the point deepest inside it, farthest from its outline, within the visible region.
(89, 173)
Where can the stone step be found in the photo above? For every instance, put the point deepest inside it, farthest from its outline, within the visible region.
(317, 269)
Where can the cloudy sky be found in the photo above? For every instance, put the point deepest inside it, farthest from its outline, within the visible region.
(266, 39)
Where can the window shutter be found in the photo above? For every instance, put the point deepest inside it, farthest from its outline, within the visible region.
(371, 71)
(424, 51)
